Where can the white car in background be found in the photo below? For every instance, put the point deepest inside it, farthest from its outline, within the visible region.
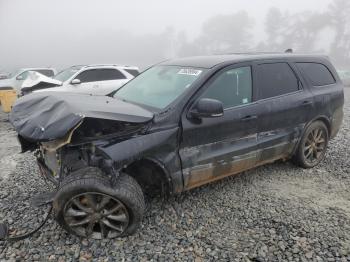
(3, 75)
(83, 79)
(16, 78)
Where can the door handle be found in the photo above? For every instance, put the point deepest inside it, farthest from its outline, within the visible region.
(248, 118)
(307, 102)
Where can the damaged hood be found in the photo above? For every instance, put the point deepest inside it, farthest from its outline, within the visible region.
(36, 81)
(47, 116)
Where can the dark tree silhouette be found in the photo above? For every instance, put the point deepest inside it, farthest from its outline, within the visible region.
(221, 34)
(299, 31)
(339, 12)
(303, 32)
(276, 25)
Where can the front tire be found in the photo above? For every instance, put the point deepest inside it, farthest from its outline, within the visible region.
(313, 145)
(87, 205)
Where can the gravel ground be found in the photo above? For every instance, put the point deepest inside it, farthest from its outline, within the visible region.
(278, 212)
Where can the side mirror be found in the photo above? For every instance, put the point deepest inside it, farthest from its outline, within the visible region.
(76, 81)
(19, 77)
(206, 108)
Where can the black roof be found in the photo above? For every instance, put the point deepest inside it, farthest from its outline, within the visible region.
(213, 60)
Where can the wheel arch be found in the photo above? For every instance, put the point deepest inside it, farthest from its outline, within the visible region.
(324, 119)
(151, 174)
(155, 152)
(299, 156)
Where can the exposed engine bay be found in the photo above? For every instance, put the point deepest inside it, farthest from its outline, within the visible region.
(77, 149)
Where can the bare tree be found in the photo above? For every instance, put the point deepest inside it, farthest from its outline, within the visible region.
(276, 25)
(221, 34)
(305, 29)
(299, 31)
(339, 12)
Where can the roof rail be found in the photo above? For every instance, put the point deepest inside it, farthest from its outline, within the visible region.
(250, 53)
(108, 65)
(77, 65)
(258, 53)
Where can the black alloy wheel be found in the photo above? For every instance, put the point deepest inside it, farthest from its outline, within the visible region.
(312, 146)
(96, 215)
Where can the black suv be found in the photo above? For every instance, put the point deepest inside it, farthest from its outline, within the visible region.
(178, 125)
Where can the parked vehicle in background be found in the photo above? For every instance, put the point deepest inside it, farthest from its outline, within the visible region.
(3, 75)
(178, 125)
(90, 79)
(16, 78)
(345, 77)
(37, 81)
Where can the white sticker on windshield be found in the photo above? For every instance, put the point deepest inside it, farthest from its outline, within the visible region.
(190, 72)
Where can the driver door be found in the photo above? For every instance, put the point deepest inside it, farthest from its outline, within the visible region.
(88, 82)
(100, 81)
(212, 148)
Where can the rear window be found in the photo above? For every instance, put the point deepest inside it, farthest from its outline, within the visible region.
(132, 72)
(317, 74)
(276, 79)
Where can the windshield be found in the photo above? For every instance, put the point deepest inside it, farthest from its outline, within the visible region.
(66, 74)
(14, 73)
(159, 86)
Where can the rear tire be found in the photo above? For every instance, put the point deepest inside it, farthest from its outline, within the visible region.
(312, 146)
(87, 205)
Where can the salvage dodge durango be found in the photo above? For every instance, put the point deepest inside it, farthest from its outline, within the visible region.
(178, 125)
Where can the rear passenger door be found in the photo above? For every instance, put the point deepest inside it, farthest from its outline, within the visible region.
(284, 109)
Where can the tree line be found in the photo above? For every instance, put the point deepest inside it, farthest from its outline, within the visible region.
(323, 32)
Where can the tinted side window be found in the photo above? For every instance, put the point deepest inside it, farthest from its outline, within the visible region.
(232, 87)
(132, 72)
(276, 79)
(318, 74)
(94, 75)
(88, 76)
(46, 72)
(109, 74)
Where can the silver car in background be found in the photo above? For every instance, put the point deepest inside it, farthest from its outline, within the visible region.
(15, 79)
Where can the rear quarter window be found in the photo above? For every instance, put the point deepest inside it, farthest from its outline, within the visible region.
(317, 74)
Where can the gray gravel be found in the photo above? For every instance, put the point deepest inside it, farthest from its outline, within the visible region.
(276, 212)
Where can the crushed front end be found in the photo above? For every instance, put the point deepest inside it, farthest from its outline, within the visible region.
(80, 148)
(67, 134)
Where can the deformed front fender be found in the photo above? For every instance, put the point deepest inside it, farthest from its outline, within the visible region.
(160, 145)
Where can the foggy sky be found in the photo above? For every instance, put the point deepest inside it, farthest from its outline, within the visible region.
(60, 33)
